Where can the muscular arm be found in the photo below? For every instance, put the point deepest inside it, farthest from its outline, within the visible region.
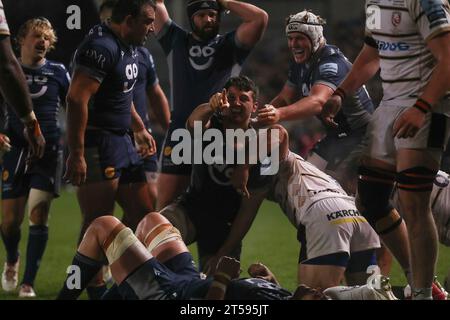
(12, 80)
(255, 20)
(439, 82)
(202, 113)
(364, 68)
(159, 106)
(82, 88)
(307, 106)
(161, 16)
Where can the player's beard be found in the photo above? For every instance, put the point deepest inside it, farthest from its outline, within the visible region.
(206, 35)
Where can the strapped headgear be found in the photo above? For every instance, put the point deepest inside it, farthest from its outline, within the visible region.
(196, 5)
(309, 24)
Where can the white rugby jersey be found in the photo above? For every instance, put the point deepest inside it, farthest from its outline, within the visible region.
(4, 30)
(299, 184)
(401, 29)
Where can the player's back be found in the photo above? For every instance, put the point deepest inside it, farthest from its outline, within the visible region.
(406, 62)
(298, 184)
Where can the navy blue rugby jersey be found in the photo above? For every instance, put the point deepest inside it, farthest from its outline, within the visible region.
(48, 85)
(329, 67)
(115, 65)
(198, 69)
(147, 77)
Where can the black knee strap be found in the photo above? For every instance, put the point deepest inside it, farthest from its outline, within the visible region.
(374, 192)
(417, 179)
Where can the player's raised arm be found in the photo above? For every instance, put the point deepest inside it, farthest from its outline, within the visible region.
(161, 15)
(204, 112)
(254, 22)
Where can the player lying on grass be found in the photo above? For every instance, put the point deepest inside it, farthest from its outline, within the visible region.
(156, 264)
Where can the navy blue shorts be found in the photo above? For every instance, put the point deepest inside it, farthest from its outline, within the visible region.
(44, 174)
(107, 154)
(155, 281)
(167, 166)
(357, 262)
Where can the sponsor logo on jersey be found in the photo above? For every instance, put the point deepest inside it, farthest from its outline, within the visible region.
(392, 46)
(343, 214)
(396, 18)
(201, 58)
(5, 175)
(167, 151)
(110, 172)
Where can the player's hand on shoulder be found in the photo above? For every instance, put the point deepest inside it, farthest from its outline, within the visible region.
(145, 144)
(408, 123)
(267, 115)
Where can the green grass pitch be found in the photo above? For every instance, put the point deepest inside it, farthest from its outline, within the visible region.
(272, 240)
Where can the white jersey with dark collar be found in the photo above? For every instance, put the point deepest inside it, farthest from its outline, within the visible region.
(400, 30)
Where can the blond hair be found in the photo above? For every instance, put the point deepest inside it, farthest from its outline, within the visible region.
(40, 24)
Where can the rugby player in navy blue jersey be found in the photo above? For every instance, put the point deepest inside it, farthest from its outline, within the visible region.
(37, 182)
(15, 91)
(316, 71)
(200, 62)
(100, 111)
(148, 98)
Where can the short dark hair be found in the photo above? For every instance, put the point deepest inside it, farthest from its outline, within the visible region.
(243, 83)
(123, 8)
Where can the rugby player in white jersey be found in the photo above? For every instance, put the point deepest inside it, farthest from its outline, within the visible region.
(336, 240)
(409, 40)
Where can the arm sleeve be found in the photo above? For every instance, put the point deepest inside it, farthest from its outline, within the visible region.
(330, 72)
(432, 17)
(95, 58)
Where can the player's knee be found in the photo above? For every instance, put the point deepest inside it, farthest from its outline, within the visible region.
(373, 201)
(149, 222)
(160, 234)
(177, 216)
(417, 179)
(39, 206)
(117, 241)
(415, 185)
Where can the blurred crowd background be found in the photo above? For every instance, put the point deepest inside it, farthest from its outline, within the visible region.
(267, 65)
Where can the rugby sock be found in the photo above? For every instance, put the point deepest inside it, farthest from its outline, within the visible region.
(96, 293)
(77, 281)
(422, 294)
(37, 241)
(11, 246)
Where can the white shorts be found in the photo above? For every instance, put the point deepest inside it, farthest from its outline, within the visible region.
(433, 136)
(333, 225)
(4, 29)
